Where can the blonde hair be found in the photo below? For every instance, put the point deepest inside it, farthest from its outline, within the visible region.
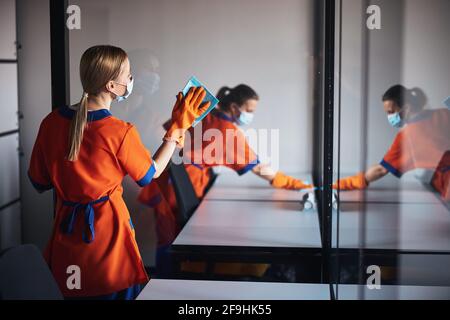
(98, 65)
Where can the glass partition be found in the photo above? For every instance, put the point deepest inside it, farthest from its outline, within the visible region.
(391, 230)
(390, 141)
(266, 45)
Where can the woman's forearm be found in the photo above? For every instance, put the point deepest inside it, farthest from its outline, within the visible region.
(375, 173)
(163, 156)
(264, 171)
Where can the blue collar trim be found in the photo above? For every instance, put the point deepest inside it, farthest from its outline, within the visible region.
(223, 116)
(68, 113)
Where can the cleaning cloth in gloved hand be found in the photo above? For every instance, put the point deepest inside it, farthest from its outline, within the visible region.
(193, 82)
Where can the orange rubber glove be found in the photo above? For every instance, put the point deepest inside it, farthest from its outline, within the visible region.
(357, 182)
(184, 113)
(282, 181)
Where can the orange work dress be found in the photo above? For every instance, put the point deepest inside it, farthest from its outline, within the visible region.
(424, 143)
(92, 229)
(202, 153)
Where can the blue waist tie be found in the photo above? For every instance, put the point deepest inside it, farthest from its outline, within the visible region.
(445, 169)
(89, 217)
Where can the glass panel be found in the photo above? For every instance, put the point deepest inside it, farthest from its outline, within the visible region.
(394, 135)
(271, 48)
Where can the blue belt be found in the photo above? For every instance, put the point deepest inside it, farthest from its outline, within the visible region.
(445, 169)
(89, 216)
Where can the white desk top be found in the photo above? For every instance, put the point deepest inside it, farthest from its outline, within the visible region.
(158, 289)
(253, 194)
(228, 290)
(228, 178)
(357, 292)
(392, 190)
(415, 227)
(229, 186)
(251, 224)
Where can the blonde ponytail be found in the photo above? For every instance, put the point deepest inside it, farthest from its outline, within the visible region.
(98, 65)
(77, 127)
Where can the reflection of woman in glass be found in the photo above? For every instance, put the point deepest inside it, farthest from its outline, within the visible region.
(236, 108)
(141, 107)
(423, 142)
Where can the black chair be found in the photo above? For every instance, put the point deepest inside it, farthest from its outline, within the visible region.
(24, 275)
(187, 200)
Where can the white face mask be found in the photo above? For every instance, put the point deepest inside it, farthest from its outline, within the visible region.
(127, 91)
(245, 118)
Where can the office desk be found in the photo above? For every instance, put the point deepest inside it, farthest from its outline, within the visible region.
(404, 228)
(357, 292)
(251, 224)
(228, 290)
(229, 186)
(244, 219)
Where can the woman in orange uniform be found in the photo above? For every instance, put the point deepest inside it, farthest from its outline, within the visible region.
(236, 108)
(83, 153)
(423, 142)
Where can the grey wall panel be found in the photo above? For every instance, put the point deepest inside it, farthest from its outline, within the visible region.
(8, 94)
(33, 32)
(7, 29)
(426, 49)
(10, 226)
(383, 69)
(9, 169)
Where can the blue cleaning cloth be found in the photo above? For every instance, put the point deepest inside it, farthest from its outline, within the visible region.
(193, 82)
(447, 102)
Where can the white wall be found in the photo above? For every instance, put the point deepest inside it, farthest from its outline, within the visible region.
(382, 69)
(33, 33)
(263, 43)
(350, 81)
(385, 70)
(427, 48)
